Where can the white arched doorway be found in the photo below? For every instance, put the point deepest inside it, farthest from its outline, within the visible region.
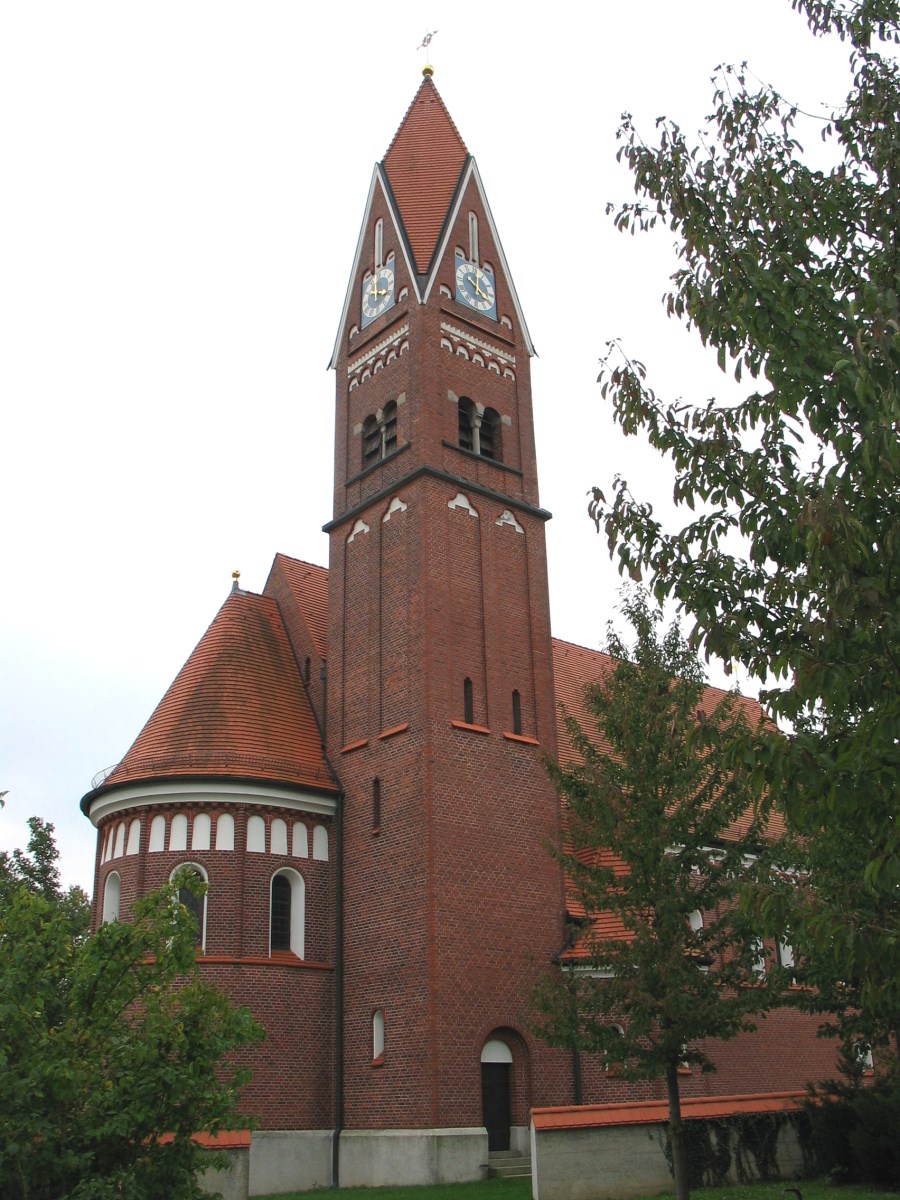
(496, 1109)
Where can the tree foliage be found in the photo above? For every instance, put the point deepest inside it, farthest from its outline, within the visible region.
(656, 787)
(791, 272)
(108, 1042)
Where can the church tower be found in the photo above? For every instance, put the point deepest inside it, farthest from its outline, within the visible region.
(440, 685)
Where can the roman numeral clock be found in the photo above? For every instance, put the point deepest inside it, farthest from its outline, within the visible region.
(475, 287)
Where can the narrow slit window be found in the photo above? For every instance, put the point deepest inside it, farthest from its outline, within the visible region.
(390, 427)
(466, 423)
(473, 238)
(379, 242)
(371, 443)
(468, 702)
(281, 913)
(516, 712)
(489, 434)
(376, 805)
(377, 1035)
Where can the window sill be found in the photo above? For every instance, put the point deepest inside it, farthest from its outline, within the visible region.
(520, 737)
(281, 958)
(480, 458)
(379, 1061)
(378, 463)
(470, 728)
(393, 731)
(351, 746)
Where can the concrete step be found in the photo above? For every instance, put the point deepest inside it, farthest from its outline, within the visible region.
(508, 1164)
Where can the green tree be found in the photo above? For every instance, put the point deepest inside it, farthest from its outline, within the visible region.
(790, 564)
(661, 828)
(35, 869)
(113, 1049)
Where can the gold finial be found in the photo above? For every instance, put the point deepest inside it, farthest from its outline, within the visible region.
(427, 70)
(235, 576)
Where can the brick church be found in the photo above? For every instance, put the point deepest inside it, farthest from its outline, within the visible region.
(352, 760)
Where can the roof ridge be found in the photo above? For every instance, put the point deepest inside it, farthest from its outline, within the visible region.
(422, 169)
(427, 82)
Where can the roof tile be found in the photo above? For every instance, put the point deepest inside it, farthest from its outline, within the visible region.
(237, 709)
(423, 165)
(308, 586)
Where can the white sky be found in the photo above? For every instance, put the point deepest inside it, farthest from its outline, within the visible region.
(181, 191)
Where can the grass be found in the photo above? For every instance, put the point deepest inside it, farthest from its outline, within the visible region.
(520, 1189)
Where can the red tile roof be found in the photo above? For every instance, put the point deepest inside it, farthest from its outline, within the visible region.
(643, 1112)
(423, 165)
(237, 709)
(308, 584)
(576, 668)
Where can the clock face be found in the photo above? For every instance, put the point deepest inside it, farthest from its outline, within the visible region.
(377, 294)
(475, 287)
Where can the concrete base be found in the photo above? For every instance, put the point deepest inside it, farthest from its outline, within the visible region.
(619, 1162)
(232, 1181)
(520, 1140)
(289, 1161)
(405, 1157)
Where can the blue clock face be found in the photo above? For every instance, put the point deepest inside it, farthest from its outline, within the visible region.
(377, 294)
(475, 288)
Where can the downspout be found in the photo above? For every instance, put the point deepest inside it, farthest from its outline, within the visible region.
(338, 994)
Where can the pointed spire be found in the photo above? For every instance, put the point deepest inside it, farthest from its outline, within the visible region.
(423, 165)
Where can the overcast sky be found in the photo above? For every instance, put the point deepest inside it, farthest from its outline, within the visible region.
(182, 188)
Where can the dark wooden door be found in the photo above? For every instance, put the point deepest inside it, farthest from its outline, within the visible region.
(495, 1103)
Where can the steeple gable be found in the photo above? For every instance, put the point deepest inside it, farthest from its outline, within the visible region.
(423, 167)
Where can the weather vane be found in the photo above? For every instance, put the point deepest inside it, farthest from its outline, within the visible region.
(426, 41)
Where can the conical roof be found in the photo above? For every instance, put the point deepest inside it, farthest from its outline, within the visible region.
(423, 166)
(236, 710)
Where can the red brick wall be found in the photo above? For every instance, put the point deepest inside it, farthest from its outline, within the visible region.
(293, 1070)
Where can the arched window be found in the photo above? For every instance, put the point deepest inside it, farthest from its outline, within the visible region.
(178, 832)
(201, 831)
(379, 241)
(120, 841)
(473, 238)
(281, 913)
(371, 442)
(489, 434)
(287, 915)
(466, 423)
(300, 847)
(134, 837)
(157, 833)
(278, 836)
(378, 1035)
(191, 880)
(320, 843)
(389, 426)
(112, 891)
(225, 832)
(256, 835)
(379, 435)
(479, 429)
(695, 919)
(614, 1063)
